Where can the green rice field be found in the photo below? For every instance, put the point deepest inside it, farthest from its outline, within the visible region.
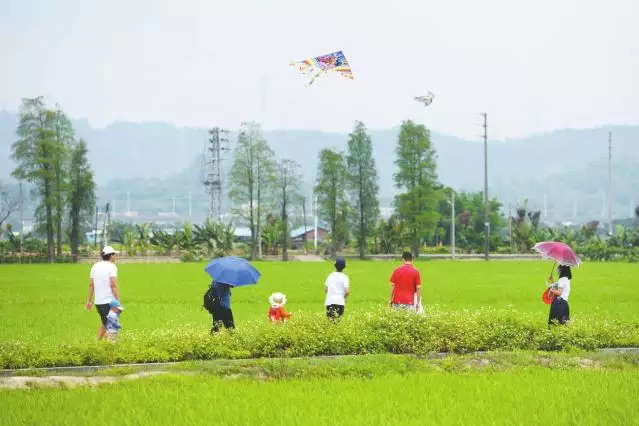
(530, 374)
(369, 390)
(45, 303)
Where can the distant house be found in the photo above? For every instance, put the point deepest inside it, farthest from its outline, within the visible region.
(242, 234)
(298, 235)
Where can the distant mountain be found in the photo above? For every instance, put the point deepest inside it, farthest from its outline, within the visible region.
(155, 162)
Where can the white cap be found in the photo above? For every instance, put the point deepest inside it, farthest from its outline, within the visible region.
(109, 250)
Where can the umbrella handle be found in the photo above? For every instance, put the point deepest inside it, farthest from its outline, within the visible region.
(551, 270)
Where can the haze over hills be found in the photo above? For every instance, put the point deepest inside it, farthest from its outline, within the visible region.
(155, 162)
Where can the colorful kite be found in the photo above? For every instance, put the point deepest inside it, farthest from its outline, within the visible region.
(335, 61)
(426, 100)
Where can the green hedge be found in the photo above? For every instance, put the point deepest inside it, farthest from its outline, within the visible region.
(313, 334)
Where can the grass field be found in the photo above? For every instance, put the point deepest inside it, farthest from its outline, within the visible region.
(44, 303)
(366, 390)
(471, 306)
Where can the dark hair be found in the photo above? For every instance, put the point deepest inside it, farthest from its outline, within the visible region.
(407, 256)
(107, 256)
(340, 264)
(564, 271)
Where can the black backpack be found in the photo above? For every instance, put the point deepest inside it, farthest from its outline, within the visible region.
(211, 300)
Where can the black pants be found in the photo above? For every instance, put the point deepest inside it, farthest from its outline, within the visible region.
(103, 311)
(334, 311)
(559, 311)
(222, 316)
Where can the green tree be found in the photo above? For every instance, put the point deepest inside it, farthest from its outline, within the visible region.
(271, 236)
(9, 203)
(289, 179)
(416, 178)
(266, 183)
(62, 140)
(81, 193)
(330, 187)
(35, 155)
(389, 235)
(470, 221)
(362, 184)
(524, 231)
(251, 175)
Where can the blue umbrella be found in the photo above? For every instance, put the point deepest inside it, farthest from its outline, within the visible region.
(233, 271)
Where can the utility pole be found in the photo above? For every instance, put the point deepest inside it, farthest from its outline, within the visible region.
(486, 222)
(610, 183)
(315, 219)
(452, 222)
(21, 221)
(95, 230)
(305, 225)
(217, 144)
(510, 226)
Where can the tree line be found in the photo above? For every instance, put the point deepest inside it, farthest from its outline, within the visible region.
(49, 156)
(265, 189)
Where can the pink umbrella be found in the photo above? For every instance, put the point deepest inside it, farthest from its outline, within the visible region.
(559, 252)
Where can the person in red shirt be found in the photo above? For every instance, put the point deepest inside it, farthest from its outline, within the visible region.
(405, 282)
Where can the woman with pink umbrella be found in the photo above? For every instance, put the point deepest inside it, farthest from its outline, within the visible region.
(559, 308)
(558, 292)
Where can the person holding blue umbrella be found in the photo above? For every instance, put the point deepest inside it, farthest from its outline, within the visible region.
(222, 313)
(227, 272)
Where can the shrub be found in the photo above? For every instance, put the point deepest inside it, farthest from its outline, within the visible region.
(313, 335)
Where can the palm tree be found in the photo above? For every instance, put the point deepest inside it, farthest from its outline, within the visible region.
(165, 241)
(144, 237)
(126, 238)
(216, 238)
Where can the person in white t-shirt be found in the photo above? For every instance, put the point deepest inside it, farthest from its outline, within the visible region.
(559, 309)
(103, 284)
(337, 289)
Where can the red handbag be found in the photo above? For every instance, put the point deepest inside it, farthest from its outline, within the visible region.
(547, 297)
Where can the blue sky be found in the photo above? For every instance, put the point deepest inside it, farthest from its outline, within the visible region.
(532, 66)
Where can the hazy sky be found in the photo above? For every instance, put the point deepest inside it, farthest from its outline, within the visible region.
(532, 66)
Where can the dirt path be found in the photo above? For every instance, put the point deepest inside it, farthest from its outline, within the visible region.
(26, 382)
(308, 258)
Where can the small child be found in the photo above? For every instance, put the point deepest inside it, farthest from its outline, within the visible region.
(276, 312)
(113, 320)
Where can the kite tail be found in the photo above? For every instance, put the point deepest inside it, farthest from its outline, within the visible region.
(314, 78)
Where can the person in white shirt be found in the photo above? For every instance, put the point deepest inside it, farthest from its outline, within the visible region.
(337, 289)
(103, 284)
(559, 309)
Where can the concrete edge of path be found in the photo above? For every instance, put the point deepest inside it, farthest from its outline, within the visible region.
(154, 365)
